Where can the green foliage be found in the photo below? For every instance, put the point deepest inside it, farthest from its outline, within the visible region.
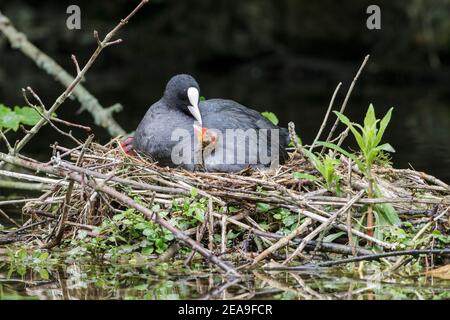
(285, 216)
(333, 236)
(189, 213)
(305, 176)
(326, 165)
(442, 238)
(20, 261)
(126, 233)
(263, 207)
(11, 119)
(271, 117)
(284, 220)
(368, 138)
(386, 211)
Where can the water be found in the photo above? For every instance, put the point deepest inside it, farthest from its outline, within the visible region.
(96, 282)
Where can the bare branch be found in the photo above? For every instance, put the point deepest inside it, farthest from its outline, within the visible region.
(77, 66)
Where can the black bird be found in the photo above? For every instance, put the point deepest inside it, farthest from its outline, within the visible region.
(230, 136)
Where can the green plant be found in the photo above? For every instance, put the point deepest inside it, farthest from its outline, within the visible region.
(285, 220)
(326, 165)
(368, 138)
(126, 233)
(271, 117)
(190, 212)
(11, 119)
(38, 261)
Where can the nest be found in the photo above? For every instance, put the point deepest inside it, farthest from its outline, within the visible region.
(94, 182)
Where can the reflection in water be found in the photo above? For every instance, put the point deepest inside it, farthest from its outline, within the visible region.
(94, 282)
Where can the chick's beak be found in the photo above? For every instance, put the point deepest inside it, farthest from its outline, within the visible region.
(193, 96)
(205, 136)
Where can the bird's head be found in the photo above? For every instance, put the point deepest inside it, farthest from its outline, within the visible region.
(183, 92)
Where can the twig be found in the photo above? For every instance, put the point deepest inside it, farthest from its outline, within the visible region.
(323, 226)
(294, 137)
(70, 124)
(129, 203)
(371, 257)
(29, 177)
(77, 66)
(347, 97)
(66, 204)
(210, 225)
(325, 120)
(8, 145)
(282, 242)
(23, 185)
(3, 213)
(77, 79)
(102, 116)
(44, 114)
(223, 247)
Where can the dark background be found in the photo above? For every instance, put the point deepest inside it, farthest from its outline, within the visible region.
(286, 56)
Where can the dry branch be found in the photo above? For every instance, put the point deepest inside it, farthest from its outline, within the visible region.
(102, 116)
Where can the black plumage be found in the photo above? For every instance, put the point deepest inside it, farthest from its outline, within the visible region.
(154, 134)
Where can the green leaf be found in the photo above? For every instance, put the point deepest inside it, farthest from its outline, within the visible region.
(386, 147)
(199, 215)
(28, 116)
(383, 125)
(348, 123)
(160, 244)
(387, 210)
(232, 235)
(44, 274)
(141, 287)
(194, 192)
(304, 176)
(370, 119)
(345, 153)
(9, 119)
(333, 236)
(21, 254)
(141, 226)
(118, 217)
(290, 220)
(270, 116)
(310, 155)
(262, 207)
(147, 250)
(43, 256)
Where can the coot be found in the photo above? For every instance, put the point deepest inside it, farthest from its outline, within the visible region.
(230, 136)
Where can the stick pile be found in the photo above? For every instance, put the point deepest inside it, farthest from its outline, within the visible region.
(92, 182)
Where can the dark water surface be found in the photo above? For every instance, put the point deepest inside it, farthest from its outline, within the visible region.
(96, 282)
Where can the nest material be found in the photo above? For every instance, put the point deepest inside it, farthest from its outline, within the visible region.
(417, 198)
